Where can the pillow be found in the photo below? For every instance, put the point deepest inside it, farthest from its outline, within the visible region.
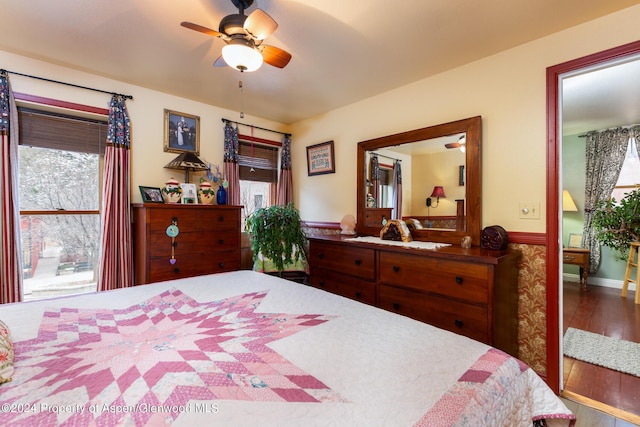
(6, 354)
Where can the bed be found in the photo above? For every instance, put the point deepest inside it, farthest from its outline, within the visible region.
(245, 348)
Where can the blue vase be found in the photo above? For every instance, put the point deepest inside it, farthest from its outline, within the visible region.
(221, 196)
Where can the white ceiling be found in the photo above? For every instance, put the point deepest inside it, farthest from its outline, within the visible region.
(343, 51)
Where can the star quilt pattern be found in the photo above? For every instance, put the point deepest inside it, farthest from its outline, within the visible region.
(148, 363)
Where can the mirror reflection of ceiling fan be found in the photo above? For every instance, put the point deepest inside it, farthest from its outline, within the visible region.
(243, 36)
(460, 143)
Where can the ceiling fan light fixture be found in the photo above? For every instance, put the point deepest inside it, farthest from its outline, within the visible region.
(239, 55)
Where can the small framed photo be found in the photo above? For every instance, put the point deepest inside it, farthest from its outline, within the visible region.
(461, 175)
(181, 132)
(151, 194)
(575, 240)
(320, 159)
(189, 194)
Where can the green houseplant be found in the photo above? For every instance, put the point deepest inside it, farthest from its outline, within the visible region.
(276, 233)
(618, 223)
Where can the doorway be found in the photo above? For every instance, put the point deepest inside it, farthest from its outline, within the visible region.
(555, 75)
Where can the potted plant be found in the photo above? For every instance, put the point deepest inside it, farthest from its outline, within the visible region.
(617, 224)
(276, 235)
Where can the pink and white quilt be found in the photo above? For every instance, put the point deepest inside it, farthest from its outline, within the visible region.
(250, 349)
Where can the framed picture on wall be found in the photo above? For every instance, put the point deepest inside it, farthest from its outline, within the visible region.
(181, 132)
(320, 159)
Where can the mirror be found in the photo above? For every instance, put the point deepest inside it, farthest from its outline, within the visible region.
(462, 203)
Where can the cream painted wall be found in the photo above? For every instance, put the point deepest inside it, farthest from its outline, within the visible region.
(146, 112)
(508, 90)
(437, 169)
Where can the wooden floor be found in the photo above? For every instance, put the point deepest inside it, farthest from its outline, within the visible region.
(603, 311)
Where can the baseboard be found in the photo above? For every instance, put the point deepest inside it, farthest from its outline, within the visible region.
(598, 281)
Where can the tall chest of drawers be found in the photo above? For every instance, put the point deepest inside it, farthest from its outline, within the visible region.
(208, 241)
(472, 292)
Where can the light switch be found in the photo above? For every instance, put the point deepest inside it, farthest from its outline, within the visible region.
(529, 210)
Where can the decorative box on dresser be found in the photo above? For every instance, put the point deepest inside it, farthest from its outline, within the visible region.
(472, 291)
(208, 240)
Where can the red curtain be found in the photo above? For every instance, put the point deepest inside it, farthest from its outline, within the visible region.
(116, 252)
(10, 251)
(284, 194)
(231, 168)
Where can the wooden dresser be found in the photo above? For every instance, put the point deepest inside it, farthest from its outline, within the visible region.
(208, 240)
(473, 292)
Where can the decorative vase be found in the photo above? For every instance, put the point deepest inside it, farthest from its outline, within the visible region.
(206, 194)
(172, 191)
(221, 197)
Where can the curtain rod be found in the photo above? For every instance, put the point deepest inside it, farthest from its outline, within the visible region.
(4, 72)
(255, 127)
(603, 130)
(386, 157)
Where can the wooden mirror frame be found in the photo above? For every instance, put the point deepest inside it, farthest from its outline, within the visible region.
(473, 129)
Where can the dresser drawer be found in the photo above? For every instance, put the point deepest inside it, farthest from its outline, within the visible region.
(466, 319)
(342, 284)
(190, 242)
(462, 280)
(198, 219)
(196, 265)
(579, 258)
(345, 259)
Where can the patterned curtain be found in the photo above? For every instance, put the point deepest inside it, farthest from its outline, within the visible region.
(605, 153)
(284, 194)
(396, 187)
(116, 253)
(231, 167)
(375, 179)
(10, 250)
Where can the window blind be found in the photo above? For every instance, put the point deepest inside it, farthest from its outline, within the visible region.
(56, 131)
(257, 162)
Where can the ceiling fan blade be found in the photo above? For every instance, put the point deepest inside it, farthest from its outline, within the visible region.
(220, 62)
(452, 145)
(202, 29)
(275, 56)
(260, 25)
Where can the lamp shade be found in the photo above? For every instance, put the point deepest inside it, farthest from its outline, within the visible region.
(438, 191)
(568, 205)
(238, 54)
(187, 161)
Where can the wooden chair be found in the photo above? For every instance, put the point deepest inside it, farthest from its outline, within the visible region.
(632, 263)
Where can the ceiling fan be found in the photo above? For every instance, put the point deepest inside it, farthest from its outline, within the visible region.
(243, 36)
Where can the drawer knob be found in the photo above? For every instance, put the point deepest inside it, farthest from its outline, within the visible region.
(358, 262)
(320, 255)
(321, 284)
(458, 323)
(176, 270)
(174, 244)
(396, 306)
(221, 241)
(358, 295)
(395, 268)
(459, 280)
(221, 264)
(221, 218)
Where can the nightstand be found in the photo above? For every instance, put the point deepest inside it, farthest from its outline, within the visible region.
(578, 256)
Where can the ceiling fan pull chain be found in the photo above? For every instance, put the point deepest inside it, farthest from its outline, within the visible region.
(241, 99)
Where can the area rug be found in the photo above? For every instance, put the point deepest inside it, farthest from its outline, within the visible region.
(611, 353)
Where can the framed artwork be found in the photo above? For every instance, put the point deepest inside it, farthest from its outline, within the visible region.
(189, 194)
(575, 240)
(181, 132)
(151, 194)
(461, 175)
(320, 159)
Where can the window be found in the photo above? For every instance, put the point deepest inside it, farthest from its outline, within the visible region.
(629, 178)
(60, 160)
(258, 176)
